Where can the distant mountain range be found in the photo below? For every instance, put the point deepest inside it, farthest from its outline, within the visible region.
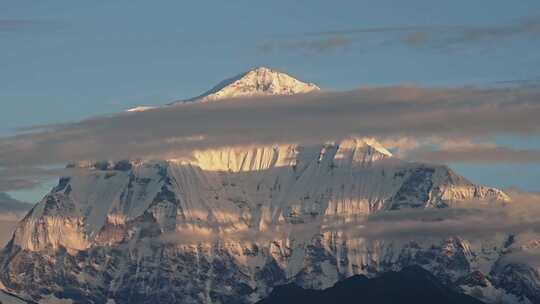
(227, 225)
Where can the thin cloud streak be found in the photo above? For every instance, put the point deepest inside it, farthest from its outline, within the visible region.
(317, 45)
(474, 220)
(21, 178)
(15, 25)
(478, 155)
(435, 37)
(461, 150)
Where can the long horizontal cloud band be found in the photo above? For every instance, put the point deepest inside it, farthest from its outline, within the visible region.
(312, 118)
(438, 37)
(477, 155)
(470, 220)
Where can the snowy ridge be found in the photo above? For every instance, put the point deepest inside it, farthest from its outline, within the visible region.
(256, 158)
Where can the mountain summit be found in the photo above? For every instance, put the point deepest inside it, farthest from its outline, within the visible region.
(261, 81)
(256, 82)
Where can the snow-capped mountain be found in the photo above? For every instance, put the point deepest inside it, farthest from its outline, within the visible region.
(260, 81)
(227, 225)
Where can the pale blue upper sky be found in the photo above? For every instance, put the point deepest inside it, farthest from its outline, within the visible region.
(73, 59)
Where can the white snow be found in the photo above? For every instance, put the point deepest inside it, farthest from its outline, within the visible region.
(257, 82)
(261, 81)
(140, 109)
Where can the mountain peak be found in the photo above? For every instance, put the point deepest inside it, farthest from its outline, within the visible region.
(259, 81)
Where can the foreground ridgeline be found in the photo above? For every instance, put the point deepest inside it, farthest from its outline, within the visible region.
(411, 285)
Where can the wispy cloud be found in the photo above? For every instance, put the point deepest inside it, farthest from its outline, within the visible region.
(461, 150)
(435, 37)
(478, 155)
(16, 25)
(469, 225)
(15, 178)
(318, 45)
(449, 38)
(473, 220)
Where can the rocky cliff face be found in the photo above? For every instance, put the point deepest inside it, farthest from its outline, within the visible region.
(227, 225)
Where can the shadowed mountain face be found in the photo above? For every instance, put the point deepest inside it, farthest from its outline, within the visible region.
(410, 285)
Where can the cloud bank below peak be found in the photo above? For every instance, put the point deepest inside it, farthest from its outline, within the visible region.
(307, 118)
(303, 119)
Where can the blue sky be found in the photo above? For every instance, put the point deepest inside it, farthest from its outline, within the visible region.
(69, 60)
